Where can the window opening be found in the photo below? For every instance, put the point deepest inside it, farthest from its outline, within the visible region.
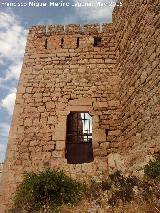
(97, 41)
(77, 42)
(62, 42)
(46, 43)
(79, 138)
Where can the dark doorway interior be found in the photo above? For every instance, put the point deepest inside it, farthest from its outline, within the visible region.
(79, 138)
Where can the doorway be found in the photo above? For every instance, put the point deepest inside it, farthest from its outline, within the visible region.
(79, 138)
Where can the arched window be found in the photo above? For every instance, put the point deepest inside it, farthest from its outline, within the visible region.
(79, 138)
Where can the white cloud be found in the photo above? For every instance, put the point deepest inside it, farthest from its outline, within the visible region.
(96, 12)
(4, 129)
(13, 72)
(9, 101)
(12, 37)
(2, 152)
(12, 45)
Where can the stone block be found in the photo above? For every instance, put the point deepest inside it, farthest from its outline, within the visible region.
(60, 129)
(49, 147)
(72, 28)
(37, 30)
(52, 119)
(114, 133)
(115, 163)
(96, 118)
(41, 108)
(50, 104)
(107, 28)
(34, 143)
(95, 145)
(79, 108)
(57, 154)
(54, 43)
(99, 153)
(91, 28)
(100, 104)
(20, 129)
(70, 42)
(99, 135)
(113, 103)
(105, 145)
(81, 102)
(55, 29)
(60, 106)
(28, 122)
(60, 145)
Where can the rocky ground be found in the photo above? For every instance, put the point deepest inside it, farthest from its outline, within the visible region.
(138, 206)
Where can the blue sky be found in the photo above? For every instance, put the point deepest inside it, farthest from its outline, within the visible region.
(14, 23)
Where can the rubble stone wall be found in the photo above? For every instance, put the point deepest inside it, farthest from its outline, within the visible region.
(115, 77)
(63, 72)
(137, 29)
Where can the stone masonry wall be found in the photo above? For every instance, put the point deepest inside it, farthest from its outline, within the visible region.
(116, 80)
(63, 72)
(137, 28)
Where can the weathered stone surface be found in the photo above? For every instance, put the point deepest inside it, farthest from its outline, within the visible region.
(99, 135)
(139, 86)
(115, 163)
(115, 79)
(81, 102)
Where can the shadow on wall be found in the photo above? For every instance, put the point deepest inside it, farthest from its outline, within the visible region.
(1, 168)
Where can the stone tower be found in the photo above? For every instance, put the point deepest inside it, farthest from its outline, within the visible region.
(65, 70)
(110, 72)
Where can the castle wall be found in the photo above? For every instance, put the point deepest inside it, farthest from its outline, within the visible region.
(137, 29)
(63, 72)
(115, 78)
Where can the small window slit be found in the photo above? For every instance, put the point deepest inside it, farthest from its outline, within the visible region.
(97, 41)
(46, 43)
(62, 42)
(77, 42)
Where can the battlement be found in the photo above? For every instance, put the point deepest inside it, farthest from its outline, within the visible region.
(70, 36)
(71, 29)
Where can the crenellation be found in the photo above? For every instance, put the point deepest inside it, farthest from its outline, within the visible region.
(37, 31)
(72, 36)
(70, 29)
(73, 29)
(90, 29)
(55, 30)
(107, 28)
